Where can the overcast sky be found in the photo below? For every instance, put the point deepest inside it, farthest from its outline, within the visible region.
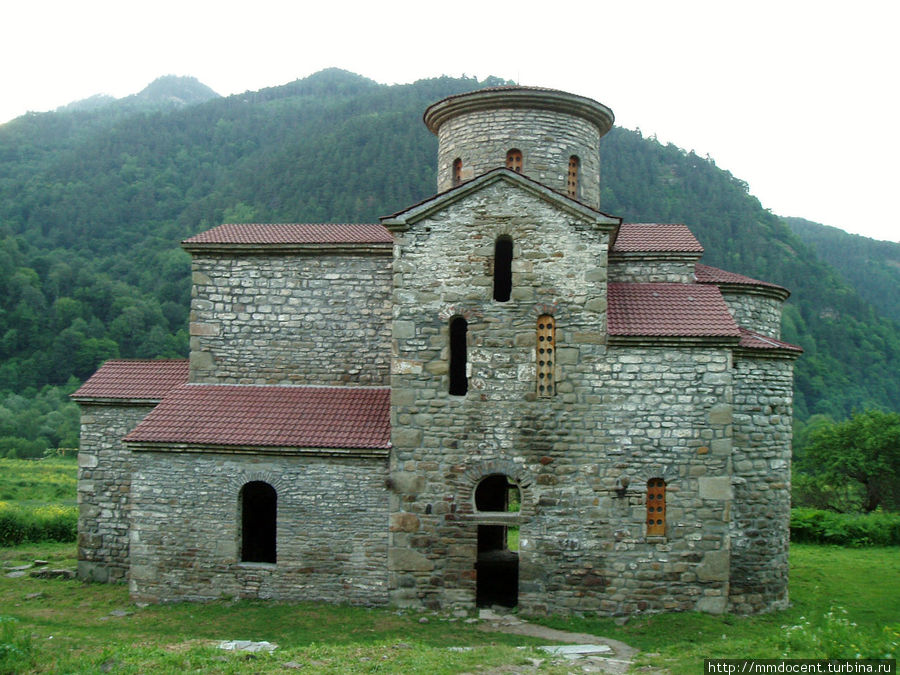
(797, 98)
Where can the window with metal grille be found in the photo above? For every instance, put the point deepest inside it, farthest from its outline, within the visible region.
(457, 171)
(656, 507)
(459, 382)
(503, 254)
(572, 180)
(546, 355)
(514, 160)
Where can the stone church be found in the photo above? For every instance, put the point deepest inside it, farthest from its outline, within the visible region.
(499, 395)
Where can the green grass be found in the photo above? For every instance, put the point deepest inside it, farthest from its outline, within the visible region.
(72, 628)
(29, 483)
(825, 580)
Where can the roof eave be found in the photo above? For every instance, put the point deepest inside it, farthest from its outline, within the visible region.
(655, 256)
(201, 448)
(375, 248)
(114, 400)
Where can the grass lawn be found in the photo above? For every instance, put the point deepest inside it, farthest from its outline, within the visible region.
(71, 627)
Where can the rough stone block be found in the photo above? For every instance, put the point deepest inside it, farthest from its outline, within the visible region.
(721, 414)
(715, 566)
(404, 522)
(407, 560)
(715, 487)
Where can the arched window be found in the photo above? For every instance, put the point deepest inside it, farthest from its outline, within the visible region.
(457, 171)
(259, 511)
(656, 507)
(545, 352)
(572, 181)
(503, 254)
(497, 493)
(514, 160)
(459, 382)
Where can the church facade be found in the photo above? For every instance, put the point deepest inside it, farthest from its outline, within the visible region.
(500, 395)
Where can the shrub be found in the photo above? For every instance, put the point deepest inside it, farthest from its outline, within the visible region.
(44, 523)
(845, 529)
(22, 448)
(835, 636)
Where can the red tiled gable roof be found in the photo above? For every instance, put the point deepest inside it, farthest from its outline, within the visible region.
(670, 310)
(134, 379)
(704, 274)
(270, 416)
(753, 340)
(653, 237)
(291, 233)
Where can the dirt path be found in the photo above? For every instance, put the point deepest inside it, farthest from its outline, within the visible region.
(616, 662)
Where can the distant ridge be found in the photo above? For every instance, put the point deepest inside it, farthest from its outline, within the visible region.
(166, 92)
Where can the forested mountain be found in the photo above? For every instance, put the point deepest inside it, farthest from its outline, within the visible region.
(872, 267)
(94, 201)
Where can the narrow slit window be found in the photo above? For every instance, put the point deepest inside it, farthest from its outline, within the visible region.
(572, 180)
(259, 517)
(459, 382)
(656, 507)
(503, 254)
(457, 171)
(545, 352)
(514, 160)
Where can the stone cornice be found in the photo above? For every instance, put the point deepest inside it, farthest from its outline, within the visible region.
(770, 353)
(672, 341)
(775, 292)
(519, 97)
(654, 256)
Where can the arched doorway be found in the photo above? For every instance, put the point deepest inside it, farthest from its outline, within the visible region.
(497, 564)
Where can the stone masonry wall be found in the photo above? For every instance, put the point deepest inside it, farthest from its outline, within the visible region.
(104, 486)
(331, 538)
(651, 271)
(623, 411)
(760, 313)
(546, 139)
(291, 319)
(762, 484)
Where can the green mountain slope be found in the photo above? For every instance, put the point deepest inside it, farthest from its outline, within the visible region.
(94, 203)
(872, 267)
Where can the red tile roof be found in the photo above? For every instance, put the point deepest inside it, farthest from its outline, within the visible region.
(291, 233)
(270, 416)
(704, 274)
(753, 340)
(670, 310)
(134, 379)
(654, 237)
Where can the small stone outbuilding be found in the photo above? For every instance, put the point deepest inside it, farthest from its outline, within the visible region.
(500, 395)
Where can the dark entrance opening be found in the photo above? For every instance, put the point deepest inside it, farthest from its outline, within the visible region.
(497, 566)
(259, 512)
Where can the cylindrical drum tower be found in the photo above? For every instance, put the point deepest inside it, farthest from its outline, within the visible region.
(550, 136)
